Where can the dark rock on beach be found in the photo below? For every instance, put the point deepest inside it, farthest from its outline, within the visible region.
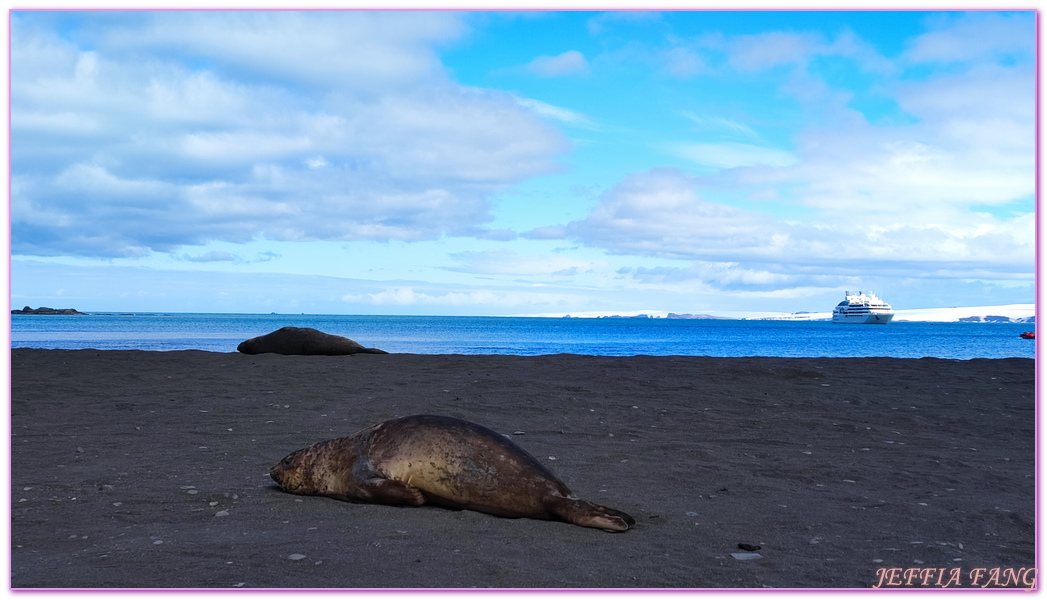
(303, 341)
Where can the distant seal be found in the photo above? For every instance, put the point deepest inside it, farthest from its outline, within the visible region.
(305, 341)
(439, 460)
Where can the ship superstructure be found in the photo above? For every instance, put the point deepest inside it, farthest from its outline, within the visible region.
(862, 308)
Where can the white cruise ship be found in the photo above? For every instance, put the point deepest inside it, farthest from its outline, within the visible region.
(862, 308)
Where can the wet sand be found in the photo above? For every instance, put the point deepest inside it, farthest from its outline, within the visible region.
(150, 469)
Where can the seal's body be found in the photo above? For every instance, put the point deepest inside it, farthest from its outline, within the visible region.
(439, 460)
(305, 341)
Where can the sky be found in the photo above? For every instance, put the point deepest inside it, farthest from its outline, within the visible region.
(521, 163)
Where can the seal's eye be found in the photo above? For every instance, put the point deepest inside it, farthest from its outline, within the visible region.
(286, 462)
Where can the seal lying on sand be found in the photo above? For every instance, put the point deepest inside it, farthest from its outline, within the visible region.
(303, 340)
(439, 460)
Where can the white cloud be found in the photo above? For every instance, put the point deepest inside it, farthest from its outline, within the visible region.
(729, 155)
(659, 213)
(407, 296)
(605, 20)
(758, 52)
(721, 124)
(508, 262)
(571, 62)
(558, 113)
(241, 146)
(359, 50)
(683, 62)
(972, 36)
(213, 126)
(213, 256)
(723, 275)
(972, 143)
(548, 232)
(400, 296)
(768, 50)
(865, 55)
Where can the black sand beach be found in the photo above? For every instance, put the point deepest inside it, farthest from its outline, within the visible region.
(150, 469)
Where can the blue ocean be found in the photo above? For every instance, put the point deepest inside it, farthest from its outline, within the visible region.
(533, 336)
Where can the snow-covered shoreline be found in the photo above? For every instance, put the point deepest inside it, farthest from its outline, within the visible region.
(1007, 313)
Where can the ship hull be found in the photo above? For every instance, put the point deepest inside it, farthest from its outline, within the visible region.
(871, 318)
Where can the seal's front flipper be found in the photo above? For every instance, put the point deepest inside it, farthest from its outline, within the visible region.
(367, 484)
(587, 514)
(380, 490)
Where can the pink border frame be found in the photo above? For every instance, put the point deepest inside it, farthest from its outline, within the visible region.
(123, 591)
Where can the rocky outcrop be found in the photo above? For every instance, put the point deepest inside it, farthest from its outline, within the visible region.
(43, 310)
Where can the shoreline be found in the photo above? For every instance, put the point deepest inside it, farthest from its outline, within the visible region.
(1012, 313)
(150, 469)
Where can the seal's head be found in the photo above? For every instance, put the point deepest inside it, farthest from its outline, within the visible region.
(292, 473)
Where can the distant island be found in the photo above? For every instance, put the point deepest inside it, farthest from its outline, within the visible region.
(43, 310)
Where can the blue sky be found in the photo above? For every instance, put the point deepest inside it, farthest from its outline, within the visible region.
(508, 163)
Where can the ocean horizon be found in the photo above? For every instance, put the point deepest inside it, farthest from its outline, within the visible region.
(608, 336)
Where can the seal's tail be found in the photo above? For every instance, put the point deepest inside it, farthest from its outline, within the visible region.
(587, 514)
